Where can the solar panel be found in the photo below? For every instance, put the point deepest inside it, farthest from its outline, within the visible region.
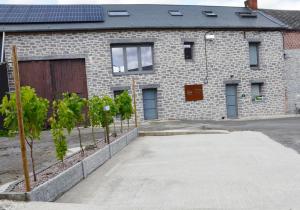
(22, 14)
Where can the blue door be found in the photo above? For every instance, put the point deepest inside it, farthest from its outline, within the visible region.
(231, 101)
(150, 104)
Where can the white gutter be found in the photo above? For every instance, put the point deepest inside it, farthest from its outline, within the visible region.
(2, 48)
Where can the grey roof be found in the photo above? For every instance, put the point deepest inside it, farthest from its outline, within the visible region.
(157, 16)
(289, 17)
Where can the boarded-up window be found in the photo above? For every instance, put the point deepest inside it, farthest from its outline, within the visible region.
(253, 52)
(193, 92)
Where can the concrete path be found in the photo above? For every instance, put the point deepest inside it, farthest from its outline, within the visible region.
(240, 170)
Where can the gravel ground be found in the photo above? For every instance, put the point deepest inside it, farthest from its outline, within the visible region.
(44, 152)
(59, 167)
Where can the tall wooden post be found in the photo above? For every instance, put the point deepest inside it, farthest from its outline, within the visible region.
(20, 117)
(107, 128)
(134, 102)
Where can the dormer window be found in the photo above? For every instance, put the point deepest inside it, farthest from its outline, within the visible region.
(175, 13)
(247, 14)
(119, 13)
(210, 14)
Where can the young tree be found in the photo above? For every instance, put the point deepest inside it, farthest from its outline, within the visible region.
(70, 113)
(95, 106)
(124, 102)
(107, 117)
(35, 111)
(57, 130)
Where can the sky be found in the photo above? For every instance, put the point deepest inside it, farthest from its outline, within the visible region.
(269, 4)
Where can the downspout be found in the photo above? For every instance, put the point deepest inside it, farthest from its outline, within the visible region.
(285, 75)
(2, 47)
(206, 59)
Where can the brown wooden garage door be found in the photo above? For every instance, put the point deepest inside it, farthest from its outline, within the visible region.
(3, 87)
(52, 78)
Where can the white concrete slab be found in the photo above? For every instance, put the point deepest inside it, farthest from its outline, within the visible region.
(240, 170)
(5, 186)
(72, 151)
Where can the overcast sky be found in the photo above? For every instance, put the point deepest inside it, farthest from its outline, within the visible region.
(270, 4)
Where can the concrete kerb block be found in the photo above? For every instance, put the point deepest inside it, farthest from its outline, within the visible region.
(94, 161)
(132, 135)
(55, 187)
(118, 145)
(15, 196)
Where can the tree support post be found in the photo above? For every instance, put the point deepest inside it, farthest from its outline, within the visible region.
(20, 117)
(134, 102)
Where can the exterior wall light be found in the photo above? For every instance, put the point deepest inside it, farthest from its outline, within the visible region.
(209, 36)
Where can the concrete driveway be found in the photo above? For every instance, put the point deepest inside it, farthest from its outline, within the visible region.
(240, 170)
(283, 130)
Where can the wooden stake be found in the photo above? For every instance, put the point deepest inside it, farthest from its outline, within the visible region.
(107, 128)
(20, 117)
(134, 102)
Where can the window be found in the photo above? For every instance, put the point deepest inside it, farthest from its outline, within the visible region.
(253, 54)
(188, 50)
(210, 14)
(118, 59)
(256, 91)
(118, 92)
(175, 13)
(146, 58)
(247, 14)
(132, 58)
(193, 92)
(118, 13)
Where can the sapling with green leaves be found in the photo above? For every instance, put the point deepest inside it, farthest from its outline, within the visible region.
(35, 111)
(124, 103)
(57, 131)
(70, 113)
(107, 117)
(95, 106)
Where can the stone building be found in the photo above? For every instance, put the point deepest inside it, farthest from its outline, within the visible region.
(189, 62)
(292, 55)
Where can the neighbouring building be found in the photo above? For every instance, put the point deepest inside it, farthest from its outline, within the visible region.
(292, 55)
(189, 62)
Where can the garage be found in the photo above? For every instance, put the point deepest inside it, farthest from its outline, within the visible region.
(51, 78)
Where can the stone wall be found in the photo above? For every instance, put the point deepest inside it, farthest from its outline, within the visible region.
(292, 68)
(228, 59)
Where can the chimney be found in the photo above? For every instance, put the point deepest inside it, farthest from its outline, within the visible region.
(251, 4)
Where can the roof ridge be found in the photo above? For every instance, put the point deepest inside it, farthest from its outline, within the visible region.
(122, 4)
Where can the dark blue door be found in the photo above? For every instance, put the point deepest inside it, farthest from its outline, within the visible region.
(150, 104)
(231, 101)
